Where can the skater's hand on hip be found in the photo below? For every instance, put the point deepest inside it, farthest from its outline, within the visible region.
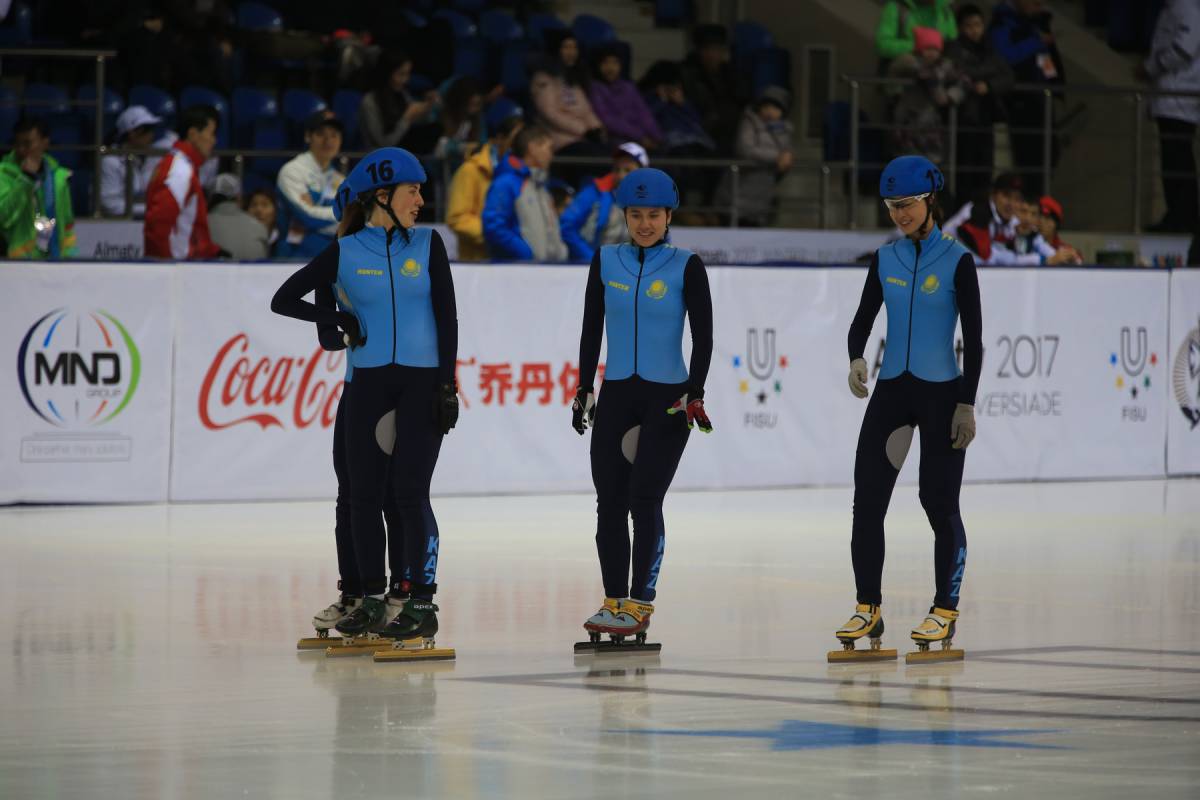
(445, 407)
(352, 333)
(858, 378)
(583, 409)
(694, 409)
(962, 426)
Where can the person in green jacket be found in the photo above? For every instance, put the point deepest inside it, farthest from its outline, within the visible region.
(36, 219)
(894, 36)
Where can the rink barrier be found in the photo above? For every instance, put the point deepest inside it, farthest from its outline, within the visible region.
(149, 382)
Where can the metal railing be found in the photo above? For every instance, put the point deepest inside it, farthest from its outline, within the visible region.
(1049, 93)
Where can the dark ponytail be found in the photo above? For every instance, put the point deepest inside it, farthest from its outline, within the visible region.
(354, 219)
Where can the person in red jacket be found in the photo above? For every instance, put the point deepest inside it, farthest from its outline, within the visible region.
(176, 212)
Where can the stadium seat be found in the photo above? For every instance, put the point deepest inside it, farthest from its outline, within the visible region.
(772, 67)
(499, 27)
(471, 58)
(201, 96)
(64, 130)
(537, 25)
(514, 67)
(17, 30)
(80, 187)
(10, 112)
(469, 7)
(672, 13)
(46, 100)
(345, 104)
(750, 37)
(460, 24)
(298, 105)
(253, 16)
(249, 106)
(156, 101)
(591, 30)
(269, 134)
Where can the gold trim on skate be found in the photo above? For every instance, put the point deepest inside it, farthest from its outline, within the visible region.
(415, 649)
(871, 628)
(357, 646)
(928, 655)
(318, 642)
(848, 653)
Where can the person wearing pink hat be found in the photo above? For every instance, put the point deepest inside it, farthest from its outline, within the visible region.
(935, 84)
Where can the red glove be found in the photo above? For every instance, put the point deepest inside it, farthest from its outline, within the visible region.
(694, 409)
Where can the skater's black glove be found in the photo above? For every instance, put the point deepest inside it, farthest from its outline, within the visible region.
(353, 335)
(445, 407)
(692, 405)
(583, 409)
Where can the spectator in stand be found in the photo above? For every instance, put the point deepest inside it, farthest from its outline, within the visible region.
(764, 137)
(560, 97)
(1174, 65)
(683, 132)
(261, 205)
(469, 187)
(709, 81)
(1050, 218)
(563, 48)
(307, 187)
(176, 224)
(898, 19)
(999, 209)
(233, 230)
(1021, 34)
(135, 130)
(391, 117)
(36, 218)
(935, 84)
(463, 129)
(1005, 232)
(593, 219)
(619, 105)
(989, 78)
(519, 219)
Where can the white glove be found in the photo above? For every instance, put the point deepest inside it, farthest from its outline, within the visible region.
(962, 426)
(858, 377)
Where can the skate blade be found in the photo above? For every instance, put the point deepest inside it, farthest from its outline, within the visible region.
(411, 654)
(318, 642)
(356, 646)
(612, 648)
(861, 656)
(932, 656)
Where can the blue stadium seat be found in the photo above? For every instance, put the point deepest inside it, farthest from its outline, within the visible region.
(591, 30)
(155, 100)
(249, 106)
(419, 84)
(269, 134)
(65, 131)
(835, 135)
(460, 24)
(672, 13)
(537, 25)
(252, 182)
(10, 111)
(113, 104)
(345, 104)
(17, 30)
(469, 7)
(499, 27)
(750, 37)
(471, 58)
(253, 16)
(772, 67)
(514, 67)
(201, 96)
(80, 185)
(298, 105)
(46, 100)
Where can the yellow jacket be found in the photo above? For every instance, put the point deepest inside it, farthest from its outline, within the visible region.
(464, 215)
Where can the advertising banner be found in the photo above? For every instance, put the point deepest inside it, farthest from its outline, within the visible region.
(1183, 365)
(86, 382)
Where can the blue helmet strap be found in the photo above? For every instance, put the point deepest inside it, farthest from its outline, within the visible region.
(387, 208)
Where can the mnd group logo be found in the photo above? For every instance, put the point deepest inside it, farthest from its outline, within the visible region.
(78, 371)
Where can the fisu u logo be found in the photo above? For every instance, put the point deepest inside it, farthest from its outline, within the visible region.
(1131, 363)
(760, 353)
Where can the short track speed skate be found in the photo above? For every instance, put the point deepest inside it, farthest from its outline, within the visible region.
(867, 623)
(410, 636)
(323, 621)
(937, 627)
(620, 620)
(361, 629)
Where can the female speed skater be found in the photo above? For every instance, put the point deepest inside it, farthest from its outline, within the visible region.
(394, 283)
(639, 293)
(927, 281)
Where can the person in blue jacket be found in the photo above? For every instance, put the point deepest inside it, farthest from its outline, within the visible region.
(520, 222)
(394, 283)
(639, 293)
(593, 218)
(928, 282)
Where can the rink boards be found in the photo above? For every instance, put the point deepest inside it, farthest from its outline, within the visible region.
(148, 382)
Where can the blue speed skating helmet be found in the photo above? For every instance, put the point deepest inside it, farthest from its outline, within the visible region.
(909, 176)
(647, 188)
(379, 169)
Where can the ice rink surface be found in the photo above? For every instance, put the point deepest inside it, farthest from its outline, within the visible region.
(149, 652)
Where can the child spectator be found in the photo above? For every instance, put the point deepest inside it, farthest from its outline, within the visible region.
(618, 104)
(469, 187)
(989, 78)
(1050, 218)
(764, 137)
(261, 205)
(936, 84)
(519, 219)
(899, 18)
(593, 219)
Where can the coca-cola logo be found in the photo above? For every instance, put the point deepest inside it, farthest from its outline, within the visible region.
(240, 387)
